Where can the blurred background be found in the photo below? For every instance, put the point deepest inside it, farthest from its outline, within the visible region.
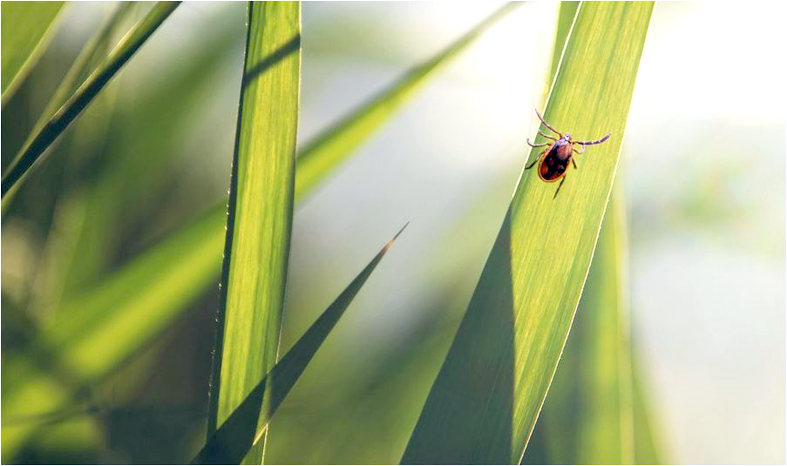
(703, 165)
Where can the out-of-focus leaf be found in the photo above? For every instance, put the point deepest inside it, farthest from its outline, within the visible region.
(489, 392)
(38, 142)
(26, 27)
(648, 444)
(332, 146)
(230, 443)
(260, 210)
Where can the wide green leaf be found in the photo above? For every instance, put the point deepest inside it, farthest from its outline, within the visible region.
(588, 414)
(490, 389)
(260, 210)
(230, 443)
(46, 134)
(26, 26)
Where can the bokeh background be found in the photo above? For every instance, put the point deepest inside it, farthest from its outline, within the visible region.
(703, 165)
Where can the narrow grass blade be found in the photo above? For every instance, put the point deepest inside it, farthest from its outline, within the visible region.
(260, 210)
(36, 145)
(26, 27)
(331, 147)
(230, 443)
(588, 415)
(649, 447)
(489, 392)
(78, 71)
(606, 430)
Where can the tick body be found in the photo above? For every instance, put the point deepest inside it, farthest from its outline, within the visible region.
(554, 160)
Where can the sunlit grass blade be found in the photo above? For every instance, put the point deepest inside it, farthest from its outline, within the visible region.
(26, 27)
(332, 146)
(588, 414)
(649, 447)
(35, 146)
(92, 50)
(230, 443)
(260, 210)
(488, 394)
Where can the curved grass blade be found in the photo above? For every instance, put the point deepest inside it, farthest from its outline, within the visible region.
(260, 210)
(588, 415)
(489, 392)
(35, 146)
(27, 26)
(230, 443)
(332, 146)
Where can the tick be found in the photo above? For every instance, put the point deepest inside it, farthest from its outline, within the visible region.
(553, 161)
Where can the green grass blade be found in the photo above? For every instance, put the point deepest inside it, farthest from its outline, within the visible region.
(35, 146)
(588, 415)
(230, 443)
(565, 19)
(26, 27)
(649, 446)
(260, 210)
(331, 147)
(93, 49)
(488, 394)
(606, 430)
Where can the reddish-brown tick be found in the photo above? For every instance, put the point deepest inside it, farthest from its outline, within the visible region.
(555, 158)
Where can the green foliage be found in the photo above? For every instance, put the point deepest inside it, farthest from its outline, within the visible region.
(489, 392)
(46, 134)
(331, 148)
(230, 443)
(26, 27)
(260, 210)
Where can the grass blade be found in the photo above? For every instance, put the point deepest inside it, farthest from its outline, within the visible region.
(260, 210)
(331, 147)
(488, 394)
(588, 415)
(230, 443)
(46, 135)
(26, 28)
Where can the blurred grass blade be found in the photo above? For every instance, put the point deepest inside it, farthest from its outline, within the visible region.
(27, 26)
(488, 394)
(648, 444)
(230, 443)
(607, 424)
(78, 71)
(332, 146)
(35, 146)
(260, 210)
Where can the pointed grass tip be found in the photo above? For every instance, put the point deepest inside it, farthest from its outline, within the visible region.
(391, 241)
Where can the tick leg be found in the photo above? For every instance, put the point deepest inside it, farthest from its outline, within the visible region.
(548, 137)
(538, 145)
(580, 151)
(536, 160)
(562, 180)
(548, 125)
(590, 143)
(574, 161)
